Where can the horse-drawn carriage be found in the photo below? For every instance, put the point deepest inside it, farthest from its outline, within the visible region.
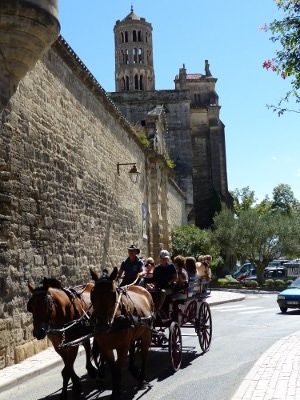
(190, 312)
(122, 319)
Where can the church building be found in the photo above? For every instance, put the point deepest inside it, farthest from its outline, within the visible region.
(195, 135)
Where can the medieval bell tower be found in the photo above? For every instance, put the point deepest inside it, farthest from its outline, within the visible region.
(133, 54)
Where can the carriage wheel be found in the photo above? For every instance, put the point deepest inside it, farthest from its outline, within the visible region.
(204, 327)
(175, 345)
(191, 311)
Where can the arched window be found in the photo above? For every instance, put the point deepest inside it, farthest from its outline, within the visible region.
(127, 83)
(123, 84)
(134, 36)
(141, 82)
(135, 56)
(147, 36)
(126, 36)
(136, 82)
(139, 36)
(122, 37)
(123, 61)
(140, 56)
(126, 56)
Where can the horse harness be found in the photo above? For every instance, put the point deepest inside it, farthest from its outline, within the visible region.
(125, 319)
(73, 295)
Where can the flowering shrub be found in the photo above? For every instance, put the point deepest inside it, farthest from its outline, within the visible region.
(286, 62)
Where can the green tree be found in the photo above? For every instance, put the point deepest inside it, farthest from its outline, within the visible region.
(259, 238)
(264, 206)
(284, 199)
(189, 240)
(286, 62)
(243, 199)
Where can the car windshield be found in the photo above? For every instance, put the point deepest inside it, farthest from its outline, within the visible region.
(295, 284)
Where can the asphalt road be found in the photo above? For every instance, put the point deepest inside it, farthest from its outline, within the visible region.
(242, 332)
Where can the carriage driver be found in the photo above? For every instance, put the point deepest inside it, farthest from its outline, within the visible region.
(132, 267)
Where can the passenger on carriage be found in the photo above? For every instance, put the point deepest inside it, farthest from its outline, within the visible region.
(204, 271)
(183, 279)
(164, 276)
(132, 267)
(149, 268)
(190, 264)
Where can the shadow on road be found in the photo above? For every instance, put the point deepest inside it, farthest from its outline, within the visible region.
(158, 369)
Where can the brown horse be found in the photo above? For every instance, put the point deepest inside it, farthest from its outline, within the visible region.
(54, 311)
(122, 316)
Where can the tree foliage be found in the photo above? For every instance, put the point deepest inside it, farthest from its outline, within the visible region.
(284, 199)
(259, 238)
(243, 199)
(286, 63)
(191, 241)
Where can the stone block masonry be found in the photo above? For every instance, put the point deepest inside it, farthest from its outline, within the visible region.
(63, 206)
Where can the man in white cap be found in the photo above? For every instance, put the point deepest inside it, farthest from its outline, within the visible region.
(132, 267)
(164, 276)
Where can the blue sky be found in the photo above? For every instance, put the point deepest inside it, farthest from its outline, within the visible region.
(262, 149)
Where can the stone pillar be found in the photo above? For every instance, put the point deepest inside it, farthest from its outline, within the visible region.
(27, 29)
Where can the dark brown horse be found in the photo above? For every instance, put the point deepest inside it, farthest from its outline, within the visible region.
(122, 316)
(54, 310)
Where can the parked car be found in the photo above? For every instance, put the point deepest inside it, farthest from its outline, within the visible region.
(290, 297)
(275, 273)
(243, 271)
(251, 276)
(277, 263)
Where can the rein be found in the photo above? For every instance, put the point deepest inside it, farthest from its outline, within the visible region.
(127, 318)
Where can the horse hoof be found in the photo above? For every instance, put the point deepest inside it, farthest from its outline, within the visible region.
(143, 385)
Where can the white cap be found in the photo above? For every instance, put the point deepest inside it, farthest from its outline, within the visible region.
(164, 254)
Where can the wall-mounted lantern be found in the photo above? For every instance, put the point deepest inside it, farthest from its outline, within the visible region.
(133, 172)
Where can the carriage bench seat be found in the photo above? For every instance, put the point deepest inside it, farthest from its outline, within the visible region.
(182, 295)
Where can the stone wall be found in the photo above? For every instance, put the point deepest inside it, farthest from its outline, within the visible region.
(63, 206)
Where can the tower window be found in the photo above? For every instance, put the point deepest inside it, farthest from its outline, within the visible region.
(126, 36)
(134, 36)
(126, 56)
(123, 61)
(123, 84)
(140, 56)
(122, 37)
(135, 56)
(147, 36)
(139, 36)
(141, 82)
(127, 83)
(136, 82)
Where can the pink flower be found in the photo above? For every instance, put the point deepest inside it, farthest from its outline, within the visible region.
(263, 27)
(269, 64)
(283, 75)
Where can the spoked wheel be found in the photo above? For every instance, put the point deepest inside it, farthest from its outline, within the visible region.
(175, 345)
(203, 327)
(191, 311)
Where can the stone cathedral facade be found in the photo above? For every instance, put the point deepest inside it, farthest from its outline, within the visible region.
(194, 136)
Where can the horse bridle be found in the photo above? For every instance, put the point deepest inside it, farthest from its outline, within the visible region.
(110, 317)
(50, 301)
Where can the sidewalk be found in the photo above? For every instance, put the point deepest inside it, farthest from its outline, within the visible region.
(276, 375)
